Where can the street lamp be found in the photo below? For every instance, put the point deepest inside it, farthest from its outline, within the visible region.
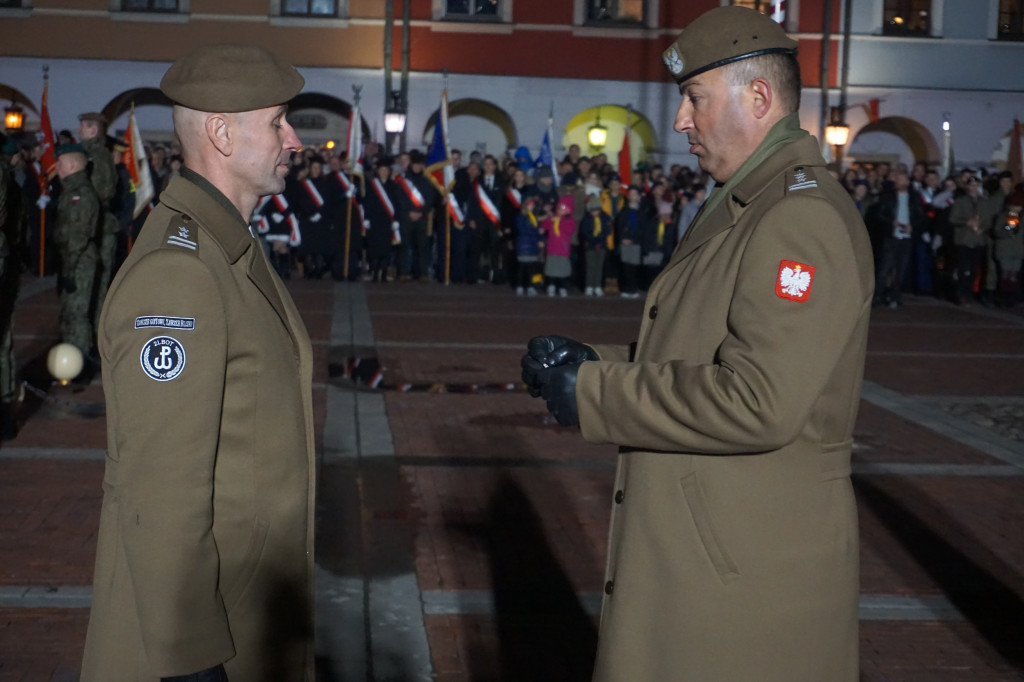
(394, 115)
(14, 118)
(597, 134)
(837, 133)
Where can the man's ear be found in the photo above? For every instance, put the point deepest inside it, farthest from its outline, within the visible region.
(218, 129)
(761, 97)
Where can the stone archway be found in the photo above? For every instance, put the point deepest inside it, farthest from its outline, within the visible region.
(479, 108)
(918, 138)
(643, 139)
(139, 97)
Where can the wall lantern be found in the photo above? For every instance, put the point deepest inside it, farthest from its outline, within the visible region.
(597, 134)
(837, 133)
(394, 115)
(14, 118)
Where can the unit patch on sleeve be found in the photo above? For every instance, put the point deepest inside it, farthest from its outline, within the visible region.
(163, 358)
(148, 321)
(794, 281)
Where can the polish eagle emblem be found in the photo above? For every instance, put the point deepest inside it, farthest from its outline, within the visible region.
(673, 61)
(794, 281)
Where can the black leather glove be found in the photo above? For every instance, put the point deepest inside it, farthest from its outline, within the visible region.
(558, 350)
(214, 674)
(558, 387)
(531, 369)
(66, 284)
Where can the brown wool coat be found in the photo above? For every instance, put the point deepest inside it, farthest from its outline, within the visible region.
(733, 548)
(205, 546)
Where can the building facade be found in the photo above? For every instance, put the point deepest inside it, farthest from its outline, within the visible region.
(906, 66)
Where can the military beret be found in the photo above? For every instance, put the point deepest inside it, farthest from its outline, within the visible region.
(724, 35)
(94, 116)
(72, 148)
(231, 78)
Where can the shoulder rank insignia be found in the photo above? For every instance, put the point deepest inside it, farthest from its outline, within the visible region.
(798, 180)
(181, 231)
(794, 281)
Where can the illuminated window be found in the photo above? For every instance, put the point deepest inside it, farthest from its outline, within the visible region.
(472, 9)
(615, 11)
(907, 18)
(1011, 20)
(150, 5)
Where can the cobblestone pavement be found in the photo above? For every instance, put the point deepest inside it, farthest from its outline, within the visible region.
(461, 533)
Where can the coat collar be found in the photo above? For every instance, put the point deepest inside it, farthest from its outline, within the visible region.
(194, 195)
(801, 152)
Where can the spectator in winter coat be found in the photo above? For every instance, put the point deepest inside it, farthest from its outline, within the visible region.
(559, 230)
(529, 242)
(596, 234)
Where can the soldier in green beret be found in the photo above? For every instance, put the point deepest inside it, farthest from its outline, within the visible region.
(92, 131)
(204, 562)
(78, 218)
(733, 551)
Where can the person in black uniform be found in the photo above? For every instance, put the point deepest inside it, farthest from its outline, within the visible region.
(381, 219)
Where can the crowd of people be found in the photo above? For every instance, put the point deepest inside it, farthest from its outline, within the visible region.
(509, 220)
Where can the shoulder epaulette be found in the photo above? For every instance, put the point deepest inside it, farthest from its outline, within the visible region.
(182, 232)
(800, 177)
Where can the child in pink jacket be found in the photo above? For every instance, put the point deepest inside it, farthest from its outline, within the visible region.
(558, 230)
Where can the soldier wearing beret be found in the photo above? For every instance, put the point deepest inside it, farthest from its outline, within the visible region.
(92, 131)
(78, 219)
(733, 551)
(204, 560)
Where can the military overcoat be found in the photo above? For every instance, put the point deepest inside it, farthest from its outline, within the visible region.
(206, 535)
(733, 548)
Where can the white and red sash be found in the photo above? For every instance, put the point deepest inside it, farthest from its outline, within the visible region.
(313, 193)
(345, 183)
(486, 205)
(382, 195)
(411, 190)
(294, 236)
(455, 212)
(262, 222)
(515, 197)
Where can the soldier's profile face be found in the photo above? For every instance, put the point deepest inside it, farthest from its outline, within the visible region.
(711, 115)
(266, 142)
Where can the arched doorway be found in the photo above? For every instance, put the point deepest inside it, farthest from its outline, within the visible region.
(895, 138)
(642, 141)
(492, 131)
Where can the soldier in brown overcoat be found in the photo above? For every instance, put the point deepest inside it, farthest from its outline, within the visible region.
(733, 550)
(205, 552)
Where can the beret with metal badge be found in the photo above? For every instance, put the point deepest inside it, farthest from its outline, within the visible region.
(231, 78)
(724, 35)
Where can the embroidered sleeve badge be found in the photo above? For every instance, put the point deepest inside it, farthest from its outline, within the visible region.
(163, 358)
(794, 281)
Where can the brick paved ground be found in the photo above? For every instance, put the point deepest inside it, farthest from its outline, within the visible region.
(489, 499)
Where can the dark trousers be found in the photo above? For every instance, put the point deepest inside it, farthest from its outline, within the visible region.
(892, 267)
(968, 260)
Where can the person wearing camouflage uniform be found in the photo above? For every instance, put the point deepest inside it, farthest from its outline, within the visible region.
(11, 218)
(78, 216)
(92, 130)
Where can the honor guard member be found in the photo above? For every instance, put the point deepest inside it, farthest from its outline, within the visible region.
(204, 561)
(78, 220)
(733, 546)
(92, 131)
(12, 220)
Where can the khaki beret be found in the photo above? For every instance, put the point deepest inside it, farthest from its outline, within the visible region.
(72, 148)
(724, 35)
(231, 78)
(94, 116)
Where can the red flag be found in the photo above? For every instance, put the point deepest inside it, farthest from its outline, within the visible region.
(45, 137)
(1014, 163)
(873, 109)
(625, 164)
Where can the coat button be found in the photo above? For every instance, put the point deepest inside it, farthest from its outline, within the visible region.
(619, 496)
(653, 313)
(609, 587)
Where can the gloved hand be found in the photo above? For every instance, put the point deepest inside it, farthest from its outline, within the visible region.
(277, 217)
(66, 284)
(214, 674)
(558, 388)
(43, 201)
(315, 218)
(551, 351)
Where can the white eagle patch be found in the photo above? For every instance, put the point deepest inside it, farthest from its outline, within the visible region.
(673, 61)
(794, 280)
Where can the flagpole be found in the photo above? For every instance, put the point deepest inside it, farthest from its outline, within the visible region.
(42, 211)
(348, 201)
(447, 191)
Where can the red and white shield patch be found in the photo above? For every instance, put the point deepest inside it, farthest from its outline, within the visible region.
(794, 281)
